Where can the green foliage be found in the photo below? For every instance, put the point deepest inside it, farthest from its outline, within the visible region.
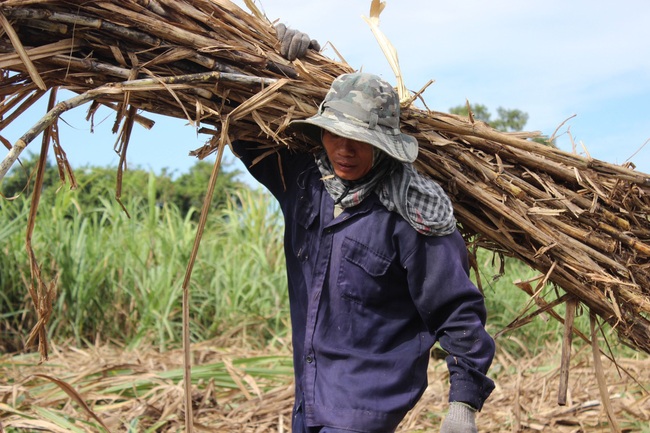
(508, 120)
(13, 296)
(188, 191)
(20, 179)
(121, 278)
(96, 184)
(248, 265)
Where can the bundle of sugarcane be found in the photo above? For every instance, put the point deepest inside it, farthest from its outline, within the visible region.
(582, 223)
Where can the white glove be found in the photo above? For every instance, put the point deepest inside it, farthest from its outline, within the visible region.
(460, 419)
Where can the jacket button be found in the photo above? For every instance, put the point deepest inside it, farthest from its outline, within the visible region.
(309, 359)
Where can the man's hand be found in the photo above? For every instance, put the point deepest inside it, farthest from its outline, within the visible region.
(460, 419)
(294, 44)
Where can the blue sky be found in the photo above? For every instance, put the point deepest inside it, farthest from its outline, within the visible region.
(551, 59)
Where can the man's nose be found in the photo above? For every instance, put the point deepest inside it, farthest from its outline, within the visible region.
(346, 146)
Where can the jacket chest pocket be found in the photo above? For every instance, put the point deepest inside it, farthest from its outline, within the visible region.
(302, 232)
(363, 273)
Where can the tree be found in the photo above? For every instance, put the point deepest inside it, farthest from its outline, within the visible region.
(508, 120)
(20, 180)
(97, 184)
(190, 188)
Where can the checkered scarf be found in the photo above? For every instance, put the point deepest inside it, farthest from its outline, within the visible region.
(400, 188)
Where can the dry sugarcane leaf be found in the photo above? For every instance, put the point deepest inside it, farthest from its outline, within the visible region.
(73, 394)
(388, 49)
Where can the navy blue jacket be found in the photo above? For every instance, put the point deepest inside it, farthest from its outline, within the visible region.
(369, 296)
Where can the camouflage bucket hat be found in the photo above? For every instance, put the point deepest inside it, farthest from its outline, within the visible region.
(362, 107)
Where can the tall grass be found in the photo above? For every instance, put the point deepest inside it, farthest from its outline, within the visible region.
(120, 278)
(13, 308)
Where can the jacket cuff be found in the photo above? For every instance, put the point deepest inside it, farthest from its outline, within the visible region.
(467, 392)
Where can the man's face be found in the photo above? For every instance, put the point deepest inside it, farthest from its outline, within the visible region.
(351, 159)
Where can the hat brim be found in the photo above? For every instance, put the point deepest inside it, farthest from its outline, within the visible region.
(402, 147)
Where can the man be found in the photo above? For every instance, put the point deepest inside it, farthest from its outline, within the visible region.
(377, 271)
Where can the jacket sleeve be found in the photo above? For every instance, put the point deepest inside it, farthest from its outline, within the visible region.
(276, 170)
(454, 312)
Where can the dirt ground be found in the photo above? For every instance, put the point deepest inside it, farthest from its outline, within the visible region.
(525, 398)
